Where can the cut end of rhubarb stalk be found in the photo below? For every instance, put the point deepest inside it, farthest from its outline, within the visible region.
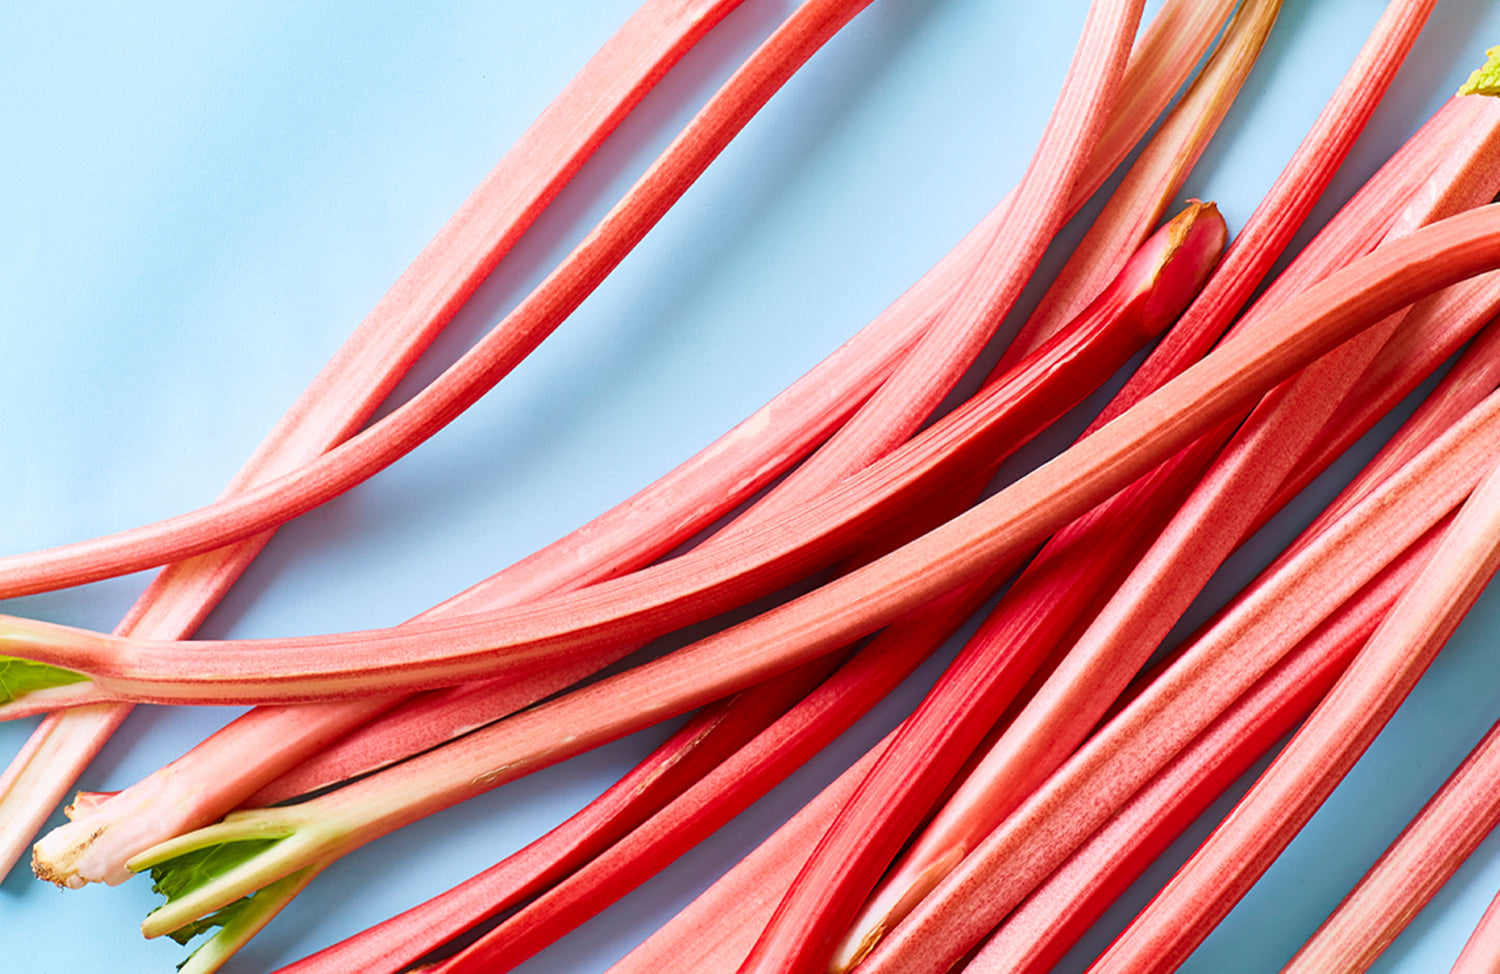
(1485, 80)
(1181, 256)
(63, 877)
(78, 853)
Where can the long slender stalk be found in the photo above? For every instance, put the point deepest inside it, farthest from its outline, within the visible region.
(967, 442)
(837, 612)
(283, 497)
(1223, 507)
(646, 525)
(1215, 670)
(1324, 749)
(1411, 871)
(367, 367)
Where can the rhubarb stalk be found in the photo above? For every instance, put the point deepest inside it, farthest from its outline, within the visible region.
(377, 354)
(841, 610)
(1324, 749)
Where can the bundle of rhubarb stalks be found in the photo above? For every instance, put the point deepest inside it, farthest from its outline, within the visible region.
(857, 486)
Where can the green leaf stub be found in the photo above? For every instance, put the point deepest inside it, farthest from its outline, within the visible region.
(1485, 80)
(19, 677)
(181, 875)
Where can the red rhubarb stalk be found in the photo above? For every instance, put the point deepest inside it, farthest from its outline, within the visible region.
(1411, 871)
(1222, 509)
(716, 931)
(1214, 671)
(714, 577)
(1287, 204)
(278, 499)
(377, 354)
(1324, 749)
(841, 610)
(1044, 927)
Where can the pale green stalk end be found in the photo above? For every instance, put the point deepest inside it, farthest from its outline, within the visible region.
(239, 922)
(1485, 80)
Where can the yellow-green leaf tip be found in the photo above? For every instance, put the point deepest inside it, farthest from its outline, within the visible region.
(1485, 80)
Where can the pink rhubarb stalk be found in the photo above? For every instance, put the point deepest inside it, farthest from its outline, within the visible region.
(377, 354)
(1222, 509)
(736, 102)
(1410, 872)
(843, 609)
(703, 581)
(1324, 749)
(1214, 671)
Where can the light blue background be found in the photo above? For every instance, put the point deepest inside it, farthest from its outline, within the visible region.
(198, 202)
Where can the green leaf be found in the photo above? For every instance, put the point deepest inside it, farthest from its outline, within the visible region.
(1485, 80)
(182, 874)
(221, 917)
(19, 677)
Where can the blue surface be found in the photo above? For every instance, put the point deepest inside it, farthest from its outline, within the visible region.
(199, 201)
